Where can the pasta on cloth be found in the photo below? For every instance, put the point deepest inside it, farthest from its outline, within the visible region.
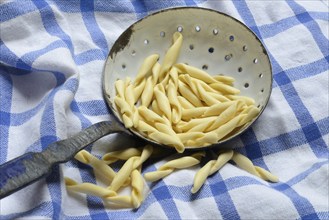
(52, 55)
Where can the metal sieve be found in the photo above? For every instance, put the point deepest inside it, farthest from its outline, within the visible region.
(213, 41)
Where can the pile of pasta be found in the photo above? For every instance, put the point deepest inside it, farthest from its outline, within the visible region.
(130, 174)
(179, 105)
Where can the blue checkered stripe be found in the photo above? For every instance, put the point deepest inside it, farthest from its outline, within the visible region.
(294, 145)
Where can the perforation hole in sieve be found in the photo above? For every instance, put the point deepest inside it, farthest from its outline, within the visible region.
(255, 60)
(133, 53)
(205, 67)
(123, 66)
(197, 28)
(215, 31)
(228, 57)
(260, 75)
(240, 69)
(246, 85)
(179, 28)
(231, 38)
(162, 34)
(146, 41)
(245, 48)
(191, 46)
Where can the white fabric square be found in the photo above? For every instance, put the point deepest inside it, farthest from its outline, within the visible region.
(90, 74)
(23, 136)
(311, 6)
(249, 202)
(30, 90)
(268, 13)
(324, 26)
(226, 7)
(24, 40)
(36, 193)
(280, 115)
(73, 25)
(195, 212)
(293, 47)
(289, 163)
(317, 185)
(112, 28)
(316, 102)
(59, 60)
(154, 211)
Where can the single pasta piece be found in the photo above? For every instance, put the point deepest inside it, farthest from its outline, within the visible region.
(210, 168)
(146, 67)
(202, 127)
(185, 78)
(208, 99)
(195, 72)
(88, 188)
(265, 175)
(217, 109)
(171, 55)
(155, 73)
(139, 89)
(130, 165)
(206, 86)
(224, 79)
(162, 100)
(219, 97)
(226, 115)
(137, 185)
(120, 88)
(185, 137)
(185, 103)
(149, 115)
(169, 167)
(125, 154)
(226, 128)
(145, 127)
(155, 107)
(99, 166)
(166, 139)
(147, 94)
(247, 100)
(188, 94)
(244, 163)
(224, 88)
(196, 112)
(194, 122)
(251, 112)
(176, 108)
(174, 76)
(125, 110)
(129, 95)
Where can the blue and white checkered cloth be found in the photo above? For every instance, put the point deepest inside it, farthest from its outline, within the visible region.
(51, 59)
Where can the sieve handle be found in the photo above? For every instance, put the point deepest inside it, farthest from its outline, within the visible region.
(30, 167)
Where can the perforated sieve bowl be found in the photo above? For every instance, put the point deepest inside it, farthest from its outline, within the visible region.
(212, 41)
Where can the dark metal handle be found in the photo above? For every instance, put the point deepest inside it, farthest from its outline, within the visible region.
(30, 167)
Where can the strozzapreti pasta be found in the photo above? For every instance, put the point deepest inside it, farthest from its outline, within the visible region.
(177, 105)
(168, 102)
(130, 174)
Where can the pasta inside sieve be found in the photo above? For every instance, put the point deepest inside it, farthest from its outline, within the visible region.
(213, 41)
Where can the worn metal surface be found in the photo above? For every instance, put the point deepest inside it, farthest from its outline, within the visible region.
(31, 167)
